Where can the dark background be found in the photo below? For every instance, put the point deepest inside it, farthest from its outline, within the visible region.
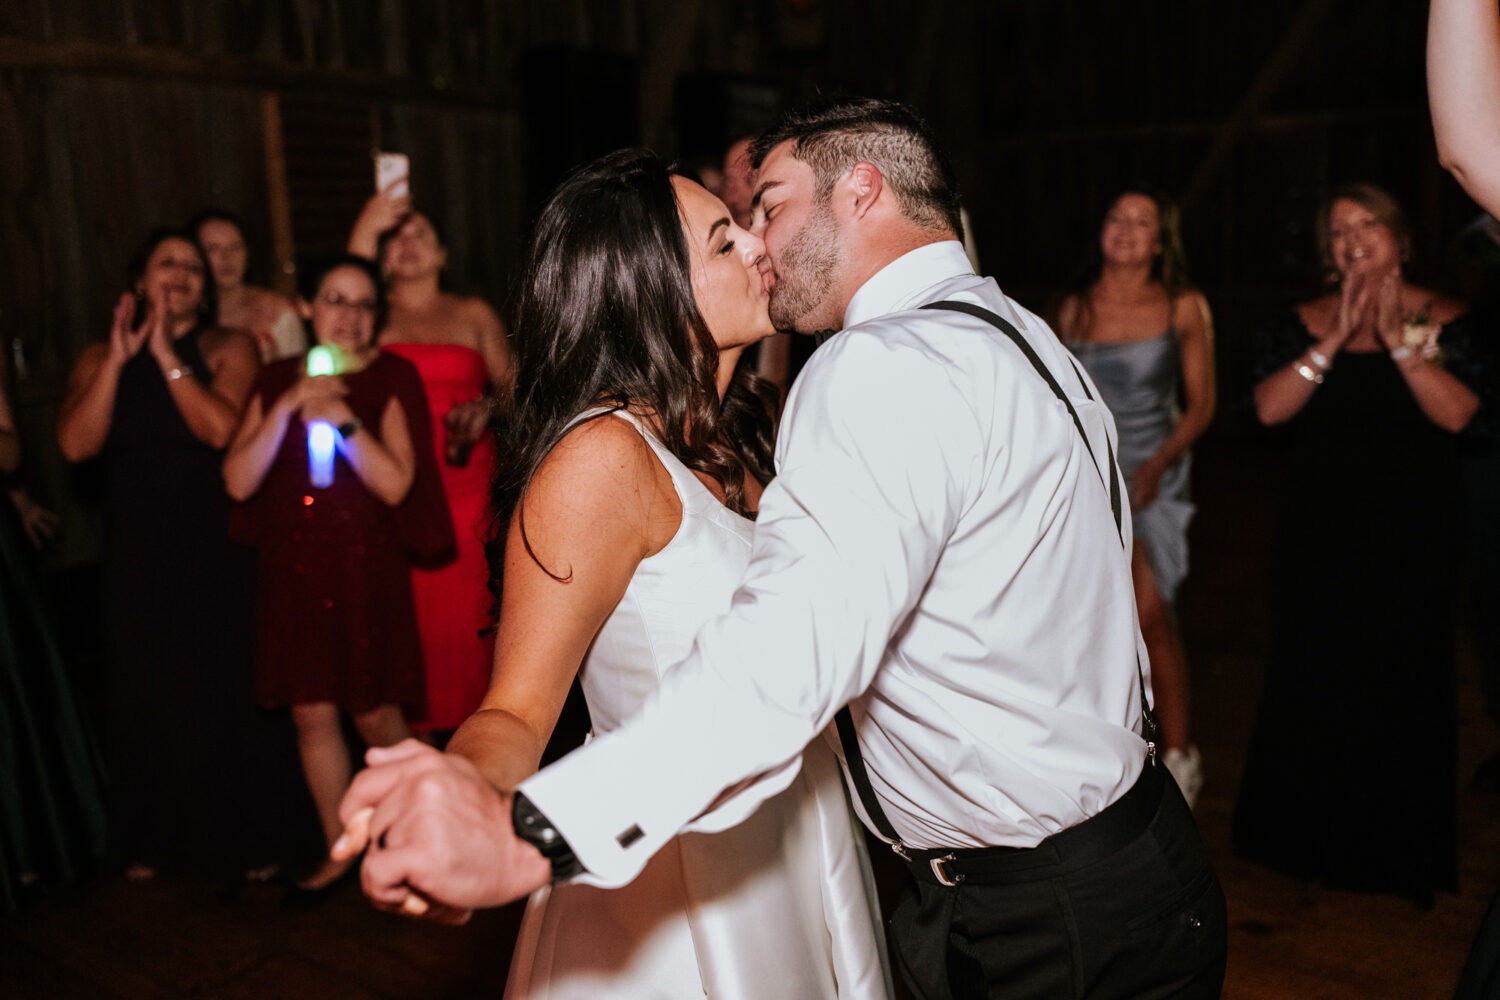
(116, 116)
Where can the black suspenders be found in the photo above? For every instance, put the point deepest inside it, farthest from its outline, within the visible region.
(848, 738)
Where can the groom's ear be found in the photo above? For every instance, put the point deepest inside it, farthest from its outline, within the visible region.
(864, 186)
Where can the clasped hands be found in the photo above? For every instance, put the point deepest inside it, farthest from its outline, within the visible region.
(1371, 298)
(317, 397)
(437, 837)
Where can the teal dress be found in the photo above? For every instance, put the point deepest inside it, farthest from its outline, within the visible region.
(52, 800)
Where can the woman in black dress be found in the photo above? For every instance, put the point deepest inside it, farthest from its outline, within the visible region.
(192, 765)
(1350, 776)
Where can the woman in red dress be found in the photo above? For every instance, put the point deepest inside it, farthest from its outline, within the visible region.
(337, 627)
(460, 348)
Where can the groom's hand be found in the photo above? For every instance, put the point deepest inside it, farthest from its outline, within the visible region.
(439, 836)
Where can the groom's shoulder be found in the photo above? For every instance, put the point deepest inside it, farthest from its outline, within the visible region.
(894, 342)
(943, 337)
(886, 361)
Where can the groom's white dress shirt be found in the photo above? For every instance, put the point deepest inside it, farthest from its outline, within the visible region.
(938, 546)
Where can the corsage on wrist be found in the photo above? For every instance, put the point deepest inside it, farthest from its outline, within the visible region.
(1419, 338)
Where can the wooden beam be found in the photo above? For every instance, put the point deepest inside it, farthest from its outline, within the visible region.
(88, 58)
(1198, 129)
(278, 197)
(392, 27)
(1286, 57)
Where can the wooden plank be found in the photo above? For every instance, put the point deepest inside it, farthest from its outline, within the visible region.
(278, 202)
(1287, 56)
(89, 58)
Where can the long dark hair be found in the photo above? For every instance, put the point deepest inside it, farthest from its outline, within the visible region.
(1168, 268)
(606, 317)
(135, 270)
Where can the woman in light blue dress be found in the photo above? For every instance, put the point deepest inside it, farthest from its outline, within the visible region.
(1146, 338)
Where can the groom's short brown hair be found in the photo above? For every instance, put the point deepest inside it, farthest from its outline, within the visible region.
(831, 138)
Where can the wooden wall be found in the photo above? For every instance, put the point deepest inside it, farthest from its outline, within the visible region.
(119, 114)
(118, 117)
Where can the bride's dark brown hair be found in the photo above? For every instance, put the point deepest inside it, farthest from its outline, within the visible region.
(606, 317)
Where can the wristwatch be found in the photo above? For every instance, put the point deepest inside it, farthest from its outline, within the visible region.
(349, 428)
(537, 830)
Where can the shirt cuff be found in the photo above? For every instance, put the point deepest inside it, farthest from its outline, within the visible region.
(615, 818)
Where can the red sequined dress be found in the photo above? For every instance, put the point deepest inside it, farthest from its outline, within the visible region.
(336, 620)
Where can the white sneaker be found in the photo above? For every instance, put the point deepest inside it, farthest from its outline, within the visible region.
(1187, 770)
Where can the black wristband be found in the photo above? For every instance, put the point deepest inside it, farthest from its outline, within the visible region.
(349, 428)
(536, 829)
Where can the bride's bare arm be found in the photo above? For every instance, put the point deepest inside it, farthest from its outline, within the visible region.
(1463, 84)
(598, 505)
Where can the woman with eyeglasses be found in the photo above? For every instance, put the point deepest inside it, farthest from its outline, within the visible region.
(337, 626)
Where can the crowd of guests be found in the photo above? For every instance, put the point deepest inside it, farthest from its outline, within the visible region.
(251, 618)
(248, 614)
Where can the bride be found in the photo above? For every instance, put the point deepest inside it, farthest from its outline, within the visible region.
(635, 461)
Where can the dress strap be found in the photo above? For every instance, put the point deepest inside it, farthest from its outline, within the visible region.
(683, 480)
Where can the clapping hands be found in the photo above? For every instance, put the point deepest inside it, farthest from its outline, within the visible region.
(125, 340)
(1389, 319)
(1370, 298)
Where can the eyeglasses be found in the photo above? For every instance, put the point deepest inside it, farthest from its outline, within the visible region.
(366, 306)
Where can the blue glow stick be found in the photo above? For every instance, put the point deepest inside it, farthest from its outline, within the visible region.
(320, 447)
(321, 438)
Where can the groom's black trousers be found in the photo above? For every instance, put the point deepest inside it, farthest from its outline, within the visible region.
(1122, 905)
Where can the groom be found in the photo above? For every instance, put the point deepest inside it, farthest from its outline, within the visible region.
(944, 549)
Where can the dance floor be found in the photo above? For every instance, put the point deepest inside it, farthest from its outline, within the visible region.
(173, 937)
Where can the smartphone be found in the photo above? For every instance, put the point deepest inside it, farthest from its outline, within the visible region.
(392, 168)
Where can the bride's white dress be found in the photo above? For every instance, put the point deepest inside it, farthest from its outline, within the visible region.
(780, 906)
